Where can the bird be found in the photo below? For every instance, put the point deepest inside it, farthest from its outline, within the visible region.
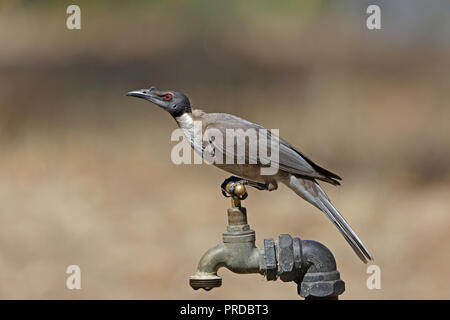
(295, 170)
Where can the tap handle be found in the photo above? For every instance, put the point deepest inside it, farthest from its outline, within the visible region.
(234, 187)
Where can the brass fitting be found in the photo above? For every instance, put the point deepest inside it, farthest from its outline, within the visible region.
(237, 253)
(236, 191)
(308, 263)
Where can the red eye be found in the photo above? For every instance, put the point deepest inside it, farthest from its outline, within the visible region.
(168, 97)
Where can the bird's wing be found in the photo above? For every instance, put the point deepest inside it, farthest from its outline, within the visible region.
(289, 160)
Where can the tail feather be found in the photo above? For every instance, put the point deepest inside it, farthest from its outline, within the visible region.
(345, 230)
(313, 193)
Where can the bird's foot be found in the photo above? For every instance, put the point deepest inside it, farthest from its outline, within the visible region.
(236, 180)
(232, 179)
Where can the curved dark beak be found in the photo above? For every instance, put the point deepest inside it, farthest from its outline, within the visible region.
(142, 93)
(151, 95)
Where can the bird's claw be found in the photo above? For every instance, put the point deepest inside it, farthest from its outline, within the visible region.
(224, 184)
(236, 180)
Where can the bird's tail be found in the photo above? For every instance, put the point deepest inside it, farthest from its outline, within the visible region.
(313, 193)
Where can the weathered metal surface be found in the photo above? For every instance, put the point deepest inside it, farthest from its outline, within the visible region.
(309, 263)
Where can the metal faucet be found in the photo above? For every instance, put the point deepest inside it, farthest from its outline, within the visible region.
(309, 263)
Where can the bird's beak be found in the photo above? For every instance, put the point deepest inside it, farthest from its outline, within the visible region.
(142, 93)
(147, 94)
(151, 95)
(136, 93)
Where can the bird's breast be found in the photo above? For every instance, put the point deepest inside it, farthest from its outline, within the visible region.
(192, 130)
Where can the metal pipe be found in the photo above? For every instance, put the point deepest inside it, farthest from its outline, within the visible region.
(239, 257)
(238, 252)
(309, 263)
(213, 259)
(317, 257)
(321, 279)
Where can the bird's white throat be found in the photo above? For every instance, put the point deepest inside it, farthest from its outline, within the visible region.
(192, 130)
(185, 121)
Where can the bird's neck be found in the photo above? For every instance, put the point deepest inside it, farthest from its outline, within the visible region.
(191, 125)
(186, 120)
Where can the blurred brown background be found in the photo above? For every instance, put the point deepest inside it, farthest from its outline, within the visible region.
(86, 176)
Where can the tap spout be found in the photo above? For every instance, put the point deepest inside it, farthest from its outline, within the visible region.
(237, 253)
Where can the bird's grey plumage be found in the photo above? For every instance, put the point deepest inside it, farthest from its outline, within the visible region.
(296, 171)
(290, 160)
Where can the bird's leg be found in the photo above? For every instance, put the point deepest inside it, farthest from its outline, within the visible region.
(224, 184)
(257, 185)
(234, 179)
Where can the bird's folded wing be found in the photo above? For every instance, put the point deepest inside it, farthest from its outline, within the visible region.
(289, 159)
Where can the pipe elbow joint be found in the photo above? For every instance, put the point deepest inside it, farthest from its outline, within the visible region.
(317, 257)
(321, 279)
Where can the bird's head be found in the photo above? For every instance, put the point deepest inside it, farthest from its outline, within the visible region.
(173, 102)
